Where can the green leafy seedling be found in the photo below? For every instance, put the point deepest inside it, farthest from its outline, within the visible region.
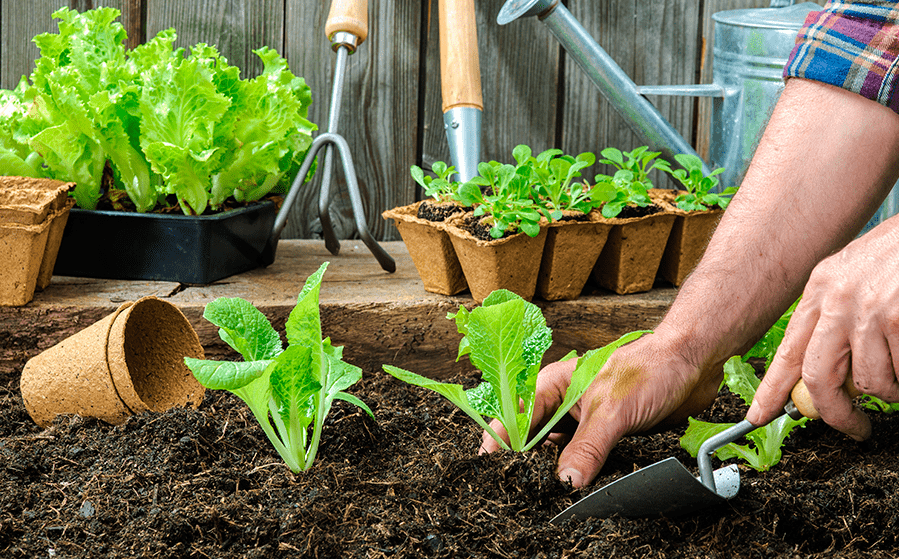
(552, 174)
(289, 391)
(698, 186)
(640, 161)
(503, 194)
(505, 339)
(441, 188)
(619, 191)
(765, 443)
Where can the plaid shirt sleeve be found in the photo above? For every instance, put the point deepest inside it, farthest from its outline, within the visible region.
(852, 45)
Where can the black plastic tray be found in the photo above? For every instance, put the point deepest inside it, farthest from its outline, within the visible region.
(165, 247)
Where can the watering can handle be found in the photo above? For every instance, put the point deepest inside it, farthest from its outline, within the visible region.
(347, 16)
(802, 400)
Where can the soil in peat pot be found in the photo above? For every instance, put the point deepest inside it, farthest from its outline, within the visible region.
(206, 483)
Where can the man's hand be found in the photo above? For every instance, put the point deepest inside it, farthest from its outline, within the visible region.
(640, 386)
(847, 322)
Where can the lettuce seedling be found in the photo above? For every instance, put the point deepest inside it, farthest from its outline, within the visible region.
(619, 191)
(698, 195)
(764, 450)
(505, 339)
(503, 193)
(551, 174)
(289, 391)
(639, 161)
(441, 188)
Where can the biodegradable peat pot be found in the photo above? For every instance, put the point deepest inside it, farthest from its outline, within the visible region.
(30, 201)
(127, 363)
(431, 250)
(689, 237)
(165, 247)
(511, 263)
(633, 252)
(22, 249)
(571, 250)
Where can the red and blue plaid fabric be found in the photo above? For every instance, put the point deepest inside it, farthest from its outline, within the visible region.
(852, 45)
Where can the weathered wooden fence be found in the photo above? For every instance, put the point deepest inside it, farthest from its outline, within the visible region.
(391, 112)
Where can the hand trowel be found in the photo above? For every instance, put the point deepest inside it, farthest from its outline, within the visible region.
(668, 489)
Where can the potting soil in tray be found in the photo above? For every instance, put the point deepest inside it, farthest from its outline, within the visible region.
(206, 483)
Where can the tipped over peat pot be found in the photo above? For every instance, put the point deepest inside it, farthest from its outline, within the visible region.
(127, 363)
(165, 247)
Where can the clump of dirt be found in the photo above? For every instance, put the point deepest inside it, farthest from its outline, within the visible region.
(409, 484)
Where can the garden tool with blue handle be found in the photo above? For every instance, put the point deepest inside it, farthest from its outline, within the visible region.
(346, 28)
(460, 84)
(668, 489)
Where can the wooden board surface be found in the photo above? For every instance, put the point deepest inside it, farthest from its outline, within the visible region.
(378, 317)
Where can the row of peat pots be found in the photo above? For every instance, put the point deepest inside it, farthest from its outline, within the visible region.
(623, 254)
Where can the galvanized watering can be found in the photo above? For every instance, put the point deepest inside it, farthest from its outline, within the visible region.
(751, 49)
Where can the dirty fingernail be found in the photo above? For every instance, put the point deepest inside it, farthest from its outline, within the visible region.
(572, 476)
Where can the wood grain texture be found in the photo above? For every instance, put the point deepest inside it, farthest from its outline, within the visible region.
(378, 116)
(21, 20)
(235, 27)
(655, 44)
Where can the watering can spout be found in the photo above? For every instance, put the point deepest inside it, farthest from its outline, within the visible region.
(613, 83)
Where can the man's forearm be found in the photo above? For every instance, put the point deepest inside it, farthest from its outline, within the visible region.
(826, 161)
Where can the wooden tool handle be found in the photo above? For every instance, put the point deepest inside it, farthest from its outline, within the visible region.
(348, 16)
(803, 401)
(460, 70)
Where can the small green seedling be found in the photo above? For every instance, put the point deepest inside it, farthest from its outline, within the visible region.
(505, 339)
(292, 389)
(503, 194)
(441, 188)
(640, 162)
(619, 191)
(698, 195)
(552, 174)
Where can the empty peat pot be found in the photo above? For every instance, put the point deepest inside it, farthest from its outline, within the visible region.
(127, 363)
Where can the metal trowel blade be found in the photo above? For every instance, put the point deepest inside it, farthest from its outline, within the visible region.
(665, 488)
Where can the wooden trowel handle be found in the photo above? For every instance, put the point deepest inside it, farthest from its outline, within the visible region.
(803, 401)
(460, 71)
(348, 16)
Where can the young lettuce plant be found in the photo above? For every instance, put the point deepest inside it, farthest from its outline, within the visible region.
(289, 391)
(505, 338)
(764, 450)
(618, 191)
(551, 174)
(441, 188)
(698, 195)
(639, 161)
(502, 192)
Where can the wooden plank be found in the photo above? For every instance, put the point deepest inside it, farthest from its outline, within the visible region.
(378, 317)
(379, 109)
(520, 82)
(655, 44)
(235, 27)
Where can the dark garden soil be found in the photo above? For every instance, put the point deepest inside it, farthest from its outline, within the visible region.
(206, 483)
(433, 211)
